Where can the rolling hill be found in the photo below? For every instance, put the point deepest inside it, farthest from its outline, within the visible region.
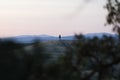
(31, 38)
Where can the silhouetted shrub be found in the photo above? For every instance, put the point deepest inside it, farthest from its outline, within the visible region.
(83, 59)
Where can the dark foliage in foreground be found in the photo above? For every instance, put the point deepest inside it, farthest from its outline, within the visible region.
(113, 16)
(84, 59)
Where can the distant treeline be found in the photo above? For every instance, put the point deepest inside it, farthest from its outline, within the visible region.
(83, 59)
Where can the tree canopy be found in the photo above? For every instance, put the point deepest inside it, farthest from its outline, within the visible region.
(113, 17)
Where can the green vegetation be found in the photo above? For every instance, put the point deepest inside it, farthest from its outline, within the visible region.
(80, 59)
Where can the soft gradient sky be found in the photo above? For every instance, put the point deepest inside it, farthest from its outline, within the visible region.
(53, 17)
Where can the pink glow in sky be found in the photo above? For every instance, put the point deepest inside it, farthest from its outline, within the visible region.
(53, 17)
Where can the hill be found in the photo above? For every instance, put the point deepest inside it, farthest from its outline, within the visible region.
(31, 38)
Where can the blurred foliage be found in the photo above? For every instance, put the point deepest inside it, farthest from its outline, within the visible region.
(80, 59)
(113, 17)
(83, 59)
(96, 58)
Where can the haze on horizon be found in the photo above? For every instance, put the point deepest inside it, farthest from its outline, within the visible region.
(53, 17)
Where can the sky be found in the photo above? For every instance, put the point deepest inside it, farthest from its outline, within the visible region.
(52, 17)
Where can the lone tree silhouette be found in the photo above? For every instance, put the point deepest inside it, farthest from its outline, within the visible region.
(60, 37)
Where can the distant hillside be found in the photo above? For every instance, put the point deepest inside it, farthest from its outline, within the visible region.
(99, 35)
(30, 39)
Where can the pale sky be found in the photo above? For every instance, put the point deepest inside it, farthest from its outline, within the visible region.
(52, 17)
